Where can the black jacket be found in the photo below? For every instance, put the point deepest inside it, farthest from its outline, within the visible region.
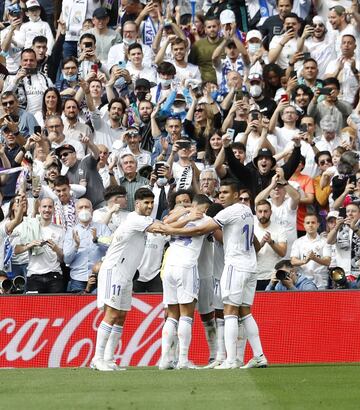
(250, 176)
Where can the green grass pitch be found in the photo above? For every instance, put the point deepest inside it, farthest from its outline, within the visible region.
(278, 387)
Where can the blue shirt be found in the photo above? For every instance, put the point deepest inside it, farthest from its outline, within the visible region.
(302, 283)
(82, 260)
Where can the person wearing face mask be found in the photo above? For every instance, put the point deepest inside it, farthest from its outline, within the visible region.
(81, 246)
(118, 52)
(166, 74)
(257, 53)
(36, 27)
(266, 105)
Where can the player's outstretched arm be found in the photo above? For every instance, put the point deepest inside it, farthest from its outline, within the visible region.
(202, 229)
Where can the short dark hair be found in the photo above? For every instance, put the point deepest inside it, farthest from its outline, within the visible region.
(114, 190)
(117, 100)
(320, 153)
(166, 68)
(143, 193)
(61, 180)
(6, 94)
(283, 263)
(202, 199)
(134, 46)
(67, 59)
(307, 90)
(291, 1)
(312, 214)
(88, 35)
(27, 50)
(264, 202)
(39, 39)
(73, 100)
(233, 183)
(175, 194)
(292, 16)
(238, 145)
(312, 60)
(331, 81)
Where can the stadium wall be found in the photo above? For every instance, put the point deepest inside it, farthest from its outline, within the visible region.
(60, 331)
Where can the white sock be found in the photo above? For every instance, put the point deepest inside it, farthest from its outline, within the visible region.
(113, 342)
(220, 353)
(184, 334)
(103, 334)
(252, 333)
(167, 338)
(241, 342)
(230, 336)
(210, 333)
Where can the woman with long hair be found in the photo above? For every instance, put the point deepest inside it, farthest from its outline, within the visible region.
(272, 77)
(200, 121)
(51, 105)
(212, 147)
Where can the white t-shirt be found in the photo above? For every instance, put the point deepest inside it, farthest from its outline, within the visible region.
(48, 260)
(14, 51)
(237, 222)
(286, 52)
(117, 218)
(284, 216)
(33, 29)
(311, 168)
(348, 82)
(146, 72)
(284, 136)
(182, 176)
(127, 246)
(267, 257)
(312, 270)
(323, 52)
(218, 265)
(184, 251)
(151, 261)
(184, 73)
(117, 54)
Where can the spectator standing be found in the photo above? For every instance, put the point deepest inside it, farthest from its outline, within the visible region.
(81, 246)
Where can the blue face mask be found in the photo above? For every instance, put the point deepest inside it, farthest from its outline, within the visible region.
(214, 95)
(70, 77)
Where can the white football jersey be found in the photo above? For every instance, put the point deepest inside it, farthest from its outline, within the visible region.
(237, 222)
(127, 246)
(185, 250)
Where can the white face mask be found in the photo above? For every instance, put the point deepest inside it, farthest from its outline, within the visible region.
(255, 90)
(129, 41)
(178, 110)
(34, 19)
(165, 83)
(254, 47)
(84, 215)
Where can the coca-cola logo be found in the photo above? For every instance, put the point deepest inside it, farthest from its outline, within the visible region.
(54, 341)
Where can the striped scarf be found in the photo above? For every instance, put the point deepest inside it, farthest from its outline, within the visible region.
(65, 215)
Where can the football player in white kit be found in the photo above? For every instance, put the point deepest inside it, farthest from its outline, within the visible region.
(238, 281)
(115, 277)
(181, 287)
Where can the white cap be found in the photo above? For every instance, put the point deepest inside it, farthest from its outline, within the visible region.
(227, 16)
(253, 34)
(32, 3)
(318, 20)
(332, 214)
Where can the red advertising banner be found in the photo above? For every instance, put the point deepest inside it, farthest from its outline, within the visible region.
(60, 331)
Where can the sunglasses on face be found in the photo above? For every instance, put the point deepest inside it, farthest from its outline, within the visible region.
(199, 110)
(65, 154)
(325, 161)
(244, 198)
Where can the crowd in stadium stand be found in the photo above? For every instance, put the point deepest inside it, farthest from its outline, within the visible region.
(102, 97)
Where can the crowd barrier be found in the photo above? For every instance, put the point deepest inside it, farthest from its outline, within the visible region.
(60, 331)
